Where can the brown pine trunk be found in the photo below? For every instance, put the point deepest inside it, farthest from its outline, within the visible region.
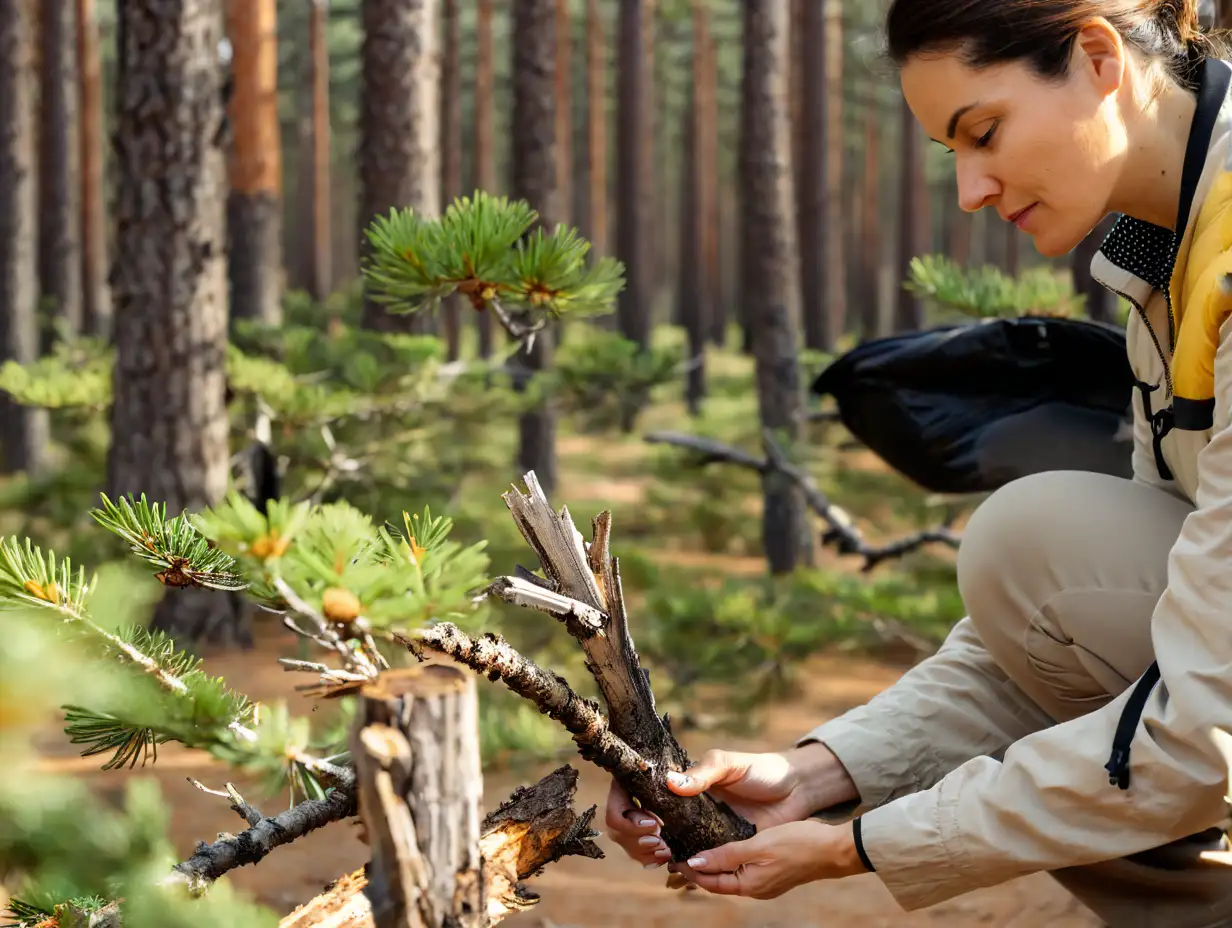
(451, 150)
(633, 174)
(594, 219)
(23, 431)
(95, 292)
(254, 203)
(399, 155)
(168, 419)
(535, 179)
(771, 278)
(909, 308)
(564, 110)
(485, 151)
(817, 237)
(711, 297)
(692, 290)
(1223, 14)
(315, 160)
(835, 252)
(870, 229)
(59, 223)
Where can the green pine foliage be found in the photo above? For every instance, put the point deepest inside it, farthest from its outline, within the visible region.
(143, 691)
(484, 247)
(986, 292)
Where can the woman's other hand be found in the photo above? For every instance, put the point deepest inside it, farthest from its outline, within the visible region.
(767, 789)
(776, 860)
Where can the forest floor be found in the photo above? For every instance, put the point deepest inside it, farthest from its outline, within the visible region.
(612, 892)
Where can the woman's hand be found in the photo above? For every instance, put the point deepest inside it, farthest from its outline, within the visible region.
(766, 789)
(776, 860)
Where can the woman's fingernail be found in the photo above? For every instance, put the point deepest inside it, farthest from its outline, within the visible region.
(663, 852)
(678, 779)
(646, 822)
(648, 840)
(696, 862)
(651, 866)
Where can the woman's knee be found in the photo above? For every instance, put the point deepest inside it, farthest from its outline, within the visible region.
(1007, 543)
(1059, 572)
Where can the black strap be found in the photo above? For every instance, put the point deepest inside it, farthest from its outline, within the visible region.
(859, 839)
(1118, 763)
(1161, 424)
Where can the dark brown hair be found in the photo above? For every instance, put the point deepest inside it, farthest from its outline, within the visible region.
(1042, 32)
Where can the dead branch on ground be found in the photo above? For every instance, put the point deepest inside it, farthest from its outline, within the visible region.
(841, 531)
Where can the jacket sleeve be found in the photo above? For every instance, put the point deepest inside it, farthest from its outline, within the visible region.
(952, 706)
(1049, 803)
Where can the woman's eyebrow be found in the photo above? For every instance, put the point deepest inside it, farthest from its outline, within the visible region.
(952, 126)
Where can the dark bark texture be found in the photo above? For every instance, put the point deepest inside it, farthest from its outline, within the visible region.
(23, 431)
(59, 235)
(633, 173)
(254, 249)
(451, 152)
(398, 137)
(771, 290)
(485, 152)
(168, 419)
(536, 180)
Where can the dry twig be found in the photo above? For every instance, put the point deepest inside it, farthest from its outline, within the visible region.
(841, 530)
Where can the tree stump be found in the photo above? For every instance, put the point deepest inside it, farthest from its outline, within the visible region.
(415, 744)
(435, 863)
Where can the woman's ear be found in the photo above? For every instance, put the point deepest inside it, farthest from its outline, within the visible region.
(1099, 53)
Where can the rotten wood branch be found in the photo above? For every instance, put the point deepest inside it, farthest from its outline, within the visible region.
(581, 586)
(841, 529)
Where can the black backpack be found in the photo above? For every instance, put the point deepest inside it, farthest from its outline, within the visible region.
(966, 408)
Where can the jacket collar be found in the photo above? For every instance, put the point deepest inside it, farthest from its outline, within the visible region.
(1138, 257)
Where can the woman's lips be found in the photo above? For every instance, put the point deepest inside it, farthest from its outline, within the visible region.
(1020, 218)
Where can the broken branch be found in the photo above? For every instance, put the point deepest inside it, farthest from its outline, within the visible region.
(210, 861)
(632, 742)
(841, 530)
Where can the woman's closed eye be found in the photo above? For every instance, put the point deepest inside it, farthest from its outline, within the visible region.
(983, 140)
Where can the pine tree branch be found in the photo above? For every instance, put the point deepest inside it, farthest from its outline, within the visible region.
(495, 658)
(210, 861)
(841, 528)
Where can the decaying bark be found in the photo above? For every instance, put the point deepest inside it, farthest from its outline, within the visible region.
(582, 589)
(533, 828)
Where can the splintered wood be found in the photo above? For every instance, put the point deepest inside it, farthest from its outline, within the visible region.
(581, 588)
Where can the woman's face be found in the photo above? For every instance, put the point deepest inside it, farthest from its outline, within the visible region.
(1044, 154)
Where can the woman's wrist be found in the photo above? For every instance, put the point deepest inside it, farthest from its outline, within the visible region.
(823, 780)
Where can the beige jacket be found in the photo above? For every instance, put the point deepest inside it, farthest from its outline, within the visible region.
(940, 814)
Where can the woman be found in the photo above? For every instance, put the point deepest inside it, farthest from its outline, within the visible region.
(1072, 722)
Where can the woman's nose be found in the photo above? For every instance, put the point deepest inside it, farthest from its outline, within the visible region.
(975, 187)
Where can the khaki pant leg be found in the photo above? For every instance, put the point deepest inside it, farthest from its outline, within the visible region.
(1060, 573)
